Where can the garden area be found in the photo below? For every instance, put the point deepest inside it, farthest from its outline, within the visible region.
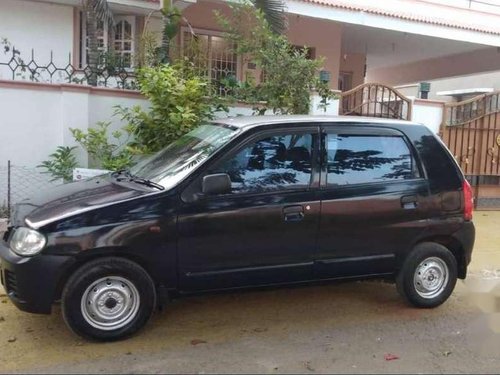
(182, 94)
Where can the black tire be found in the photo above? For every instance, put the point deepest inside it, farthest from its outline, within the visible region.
(409, 284)
(109, 275)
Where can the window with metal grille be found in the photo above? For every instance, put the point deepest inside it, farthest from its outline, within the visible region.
(213, 55)
(122, 40)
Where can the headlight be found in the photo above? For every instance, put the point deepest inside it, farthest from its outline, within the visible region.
(27, 242)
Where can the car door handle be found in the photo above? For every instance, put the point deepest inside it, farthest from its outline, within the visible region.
(293, 213)
(409, 202)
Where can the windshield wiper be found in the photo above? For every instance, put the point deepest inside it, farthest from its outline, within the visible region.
(149, 183)
(130, 177)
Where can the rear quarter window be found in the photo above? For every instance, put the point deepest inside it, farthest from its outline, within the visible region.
(358, 159)
(442, 171)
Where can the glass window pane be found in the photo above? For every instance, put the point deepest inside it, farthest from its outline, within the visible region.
(128, 30)
(118, 30)
(355, 159)
(274, 163)
(126, 60)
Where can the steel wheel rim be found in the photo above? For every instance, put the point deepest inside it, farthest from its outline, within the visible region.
(431, 277)
(110, 303)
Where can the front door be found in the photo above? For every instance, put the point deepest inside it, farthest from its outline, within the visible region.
(373, 201)
(262, 232)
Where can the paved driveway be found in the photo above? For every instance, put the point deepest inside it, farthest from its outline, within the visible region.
(343, 327)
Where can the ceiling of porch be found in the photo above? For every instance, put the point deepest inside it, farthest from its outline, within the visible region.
(384, 48)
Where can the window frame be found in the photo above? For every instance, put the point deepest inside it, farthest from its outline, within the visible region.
(246, 139)
(210, 33)
(132, 19)
(351, 129)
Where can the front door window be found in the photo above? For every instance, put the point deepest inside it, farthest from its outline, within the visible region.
(272, 163)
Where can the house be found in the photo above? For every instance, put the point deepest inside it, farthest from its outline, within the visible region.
(391, 43)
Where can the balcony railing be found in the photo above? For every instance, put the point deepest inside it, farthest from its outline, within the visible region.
(110, 74)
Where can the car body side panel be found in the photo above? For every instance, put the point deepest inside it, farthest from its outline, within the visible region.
(143, 230)
(365, 228)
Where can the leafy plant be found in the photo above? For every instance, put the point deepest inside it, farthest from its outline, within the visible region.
(60, 164)
(104, 153)
(15, 56)
(288, 75)
(326, 94)
(180, 100)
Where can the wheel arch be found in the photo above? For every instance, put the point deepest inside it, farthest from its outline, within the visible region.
(455, 247)
(87, 256)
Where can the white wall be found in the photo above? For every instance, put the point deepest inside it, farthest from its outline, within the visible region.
(482, 80)
(30, 125)
(44, 27)
(101, 108)
(428, 113)
(30, 129)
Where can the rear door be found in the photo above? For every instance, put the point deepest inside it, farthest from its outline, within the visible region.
(373, 198)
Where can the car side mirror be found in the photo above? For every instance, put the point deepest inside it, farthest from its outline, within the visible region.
(219, 183)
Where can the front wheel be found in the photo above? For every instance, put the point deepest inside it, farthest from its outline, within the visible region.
(108, 299)
(428, 275)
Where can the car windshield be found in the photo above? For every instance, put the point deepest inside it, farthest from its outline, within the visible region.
(177, 160)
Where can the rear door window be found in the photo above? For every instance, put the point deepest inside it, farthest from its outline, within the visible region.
(359, 159)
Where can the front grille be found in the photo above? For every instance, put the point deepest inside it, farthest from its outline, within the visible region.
(10, 282)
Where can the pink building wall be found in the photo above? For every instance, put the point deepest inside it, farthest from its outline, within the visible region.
(324, 36)
(355, 64)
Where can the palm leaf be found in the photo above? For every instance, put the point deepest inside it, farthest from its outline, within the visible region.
(274, 12)
(103, 11)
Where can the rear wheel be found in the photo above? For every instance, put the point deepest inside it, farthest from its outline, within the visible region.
(108, 299)
(428, 275)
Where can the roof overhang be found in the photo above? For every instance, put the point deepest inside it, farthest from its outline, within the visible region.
(463, 92)
(331, 10)
(134, 6)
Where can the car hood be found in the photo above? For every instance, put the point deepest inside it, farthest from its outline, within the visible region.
(71, 199)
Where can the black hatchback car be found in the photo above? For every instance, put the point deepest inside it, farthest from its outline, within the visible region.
(245, 202)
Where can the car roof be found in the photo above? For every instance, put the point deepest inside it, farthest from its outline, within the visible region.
(252, 121)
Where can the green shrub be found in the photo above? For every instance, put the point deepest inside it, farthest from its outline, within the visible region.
(180, 100)
(289, 75)
(60, 164)
(112, 155)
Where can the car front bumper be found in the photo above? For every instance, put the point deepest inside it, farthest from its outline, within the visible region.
(31, 282)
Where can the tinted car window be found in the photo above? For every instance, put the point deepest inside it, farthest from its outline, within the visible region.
(356, 159)
(273, 163)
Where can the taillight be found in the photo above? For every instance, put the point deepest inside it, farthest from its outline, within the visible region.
(468, 200)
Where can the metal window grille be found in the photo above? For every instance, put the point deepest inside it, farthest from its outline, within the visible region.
(213, 55)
